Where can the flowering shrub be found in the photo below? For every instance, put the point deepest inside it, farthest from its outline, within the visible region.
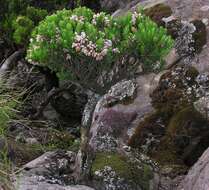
(94, 49)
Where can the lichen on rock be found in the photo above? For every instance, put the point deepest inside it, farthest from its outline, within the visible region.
(119, 173)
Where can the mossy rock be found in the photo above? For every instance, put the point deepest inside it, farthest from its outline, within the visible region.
(179, 125)
(187, 122)
(166, 153)
(147, 126)
(192, 72)
(168, 99)
(182, 127)
(173, 27)
(158, 12)
(199, 36)
(187, 134)
(131, 172)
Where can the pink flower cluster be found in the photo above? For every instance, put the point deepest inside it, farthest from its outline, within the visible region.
(77, 18)
(100, 15)
(134, 17)
(88, 48)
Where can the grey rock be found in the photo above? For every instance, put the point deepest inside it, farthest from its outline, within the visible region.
(113, 5)
(202, 106)
(204, 8)
(134, 5)
(31, 141)
(70, 103)
(171, 58)
(32, 184)
(88, 110)
(122, 91)
(197, 178)
(51, 168)
(119, 111)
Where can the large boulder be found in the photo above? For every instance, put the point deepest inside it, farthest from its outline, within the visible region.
(51, 171)
(113, 164)
(118, 111)
(197, 178)
(113, 5)
(175, 133)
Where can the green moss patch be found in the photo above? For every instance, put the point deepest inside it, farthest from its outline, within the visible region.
(200, 35)
(181, 122)
(135, 173)
(178, 145)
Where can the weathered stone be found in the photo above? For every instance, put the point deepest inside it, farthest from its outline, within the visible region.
(36, 133)
(70, 103)
(171, 58)
(50, 171)
(33, 184)
(175, 132)
(197, 178)
(202, 106)
(158, 12)
(115, 114)
(88, 110)
(113, 5)
(135, 5)
(200, 35)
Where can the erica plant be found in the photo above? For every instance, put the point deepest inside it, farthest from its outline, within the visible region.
(94, 49)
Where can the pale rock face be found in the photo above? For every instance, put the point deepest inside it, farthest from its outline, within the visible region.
(119, 111)
(197, 178)
(112, 5)
(51, 171)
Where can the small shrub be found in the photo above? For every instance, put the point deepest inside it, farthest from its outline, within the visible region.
(94, 49)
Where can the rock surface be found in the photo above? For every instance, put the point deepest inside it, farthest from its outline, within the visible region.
(51, 171)
(47, 186)
(116, 113)
(197, 178)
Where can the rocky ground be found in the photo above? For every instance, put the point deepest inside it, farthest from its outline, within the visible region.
(149, 133)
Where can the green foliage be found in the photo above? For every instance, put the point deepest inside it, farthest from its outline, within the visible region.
(22, 28)
(23, 25)
(152, 43)
(32, 11)
(8, 12)
(36, 14)
(85, 47)
(35, 10)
